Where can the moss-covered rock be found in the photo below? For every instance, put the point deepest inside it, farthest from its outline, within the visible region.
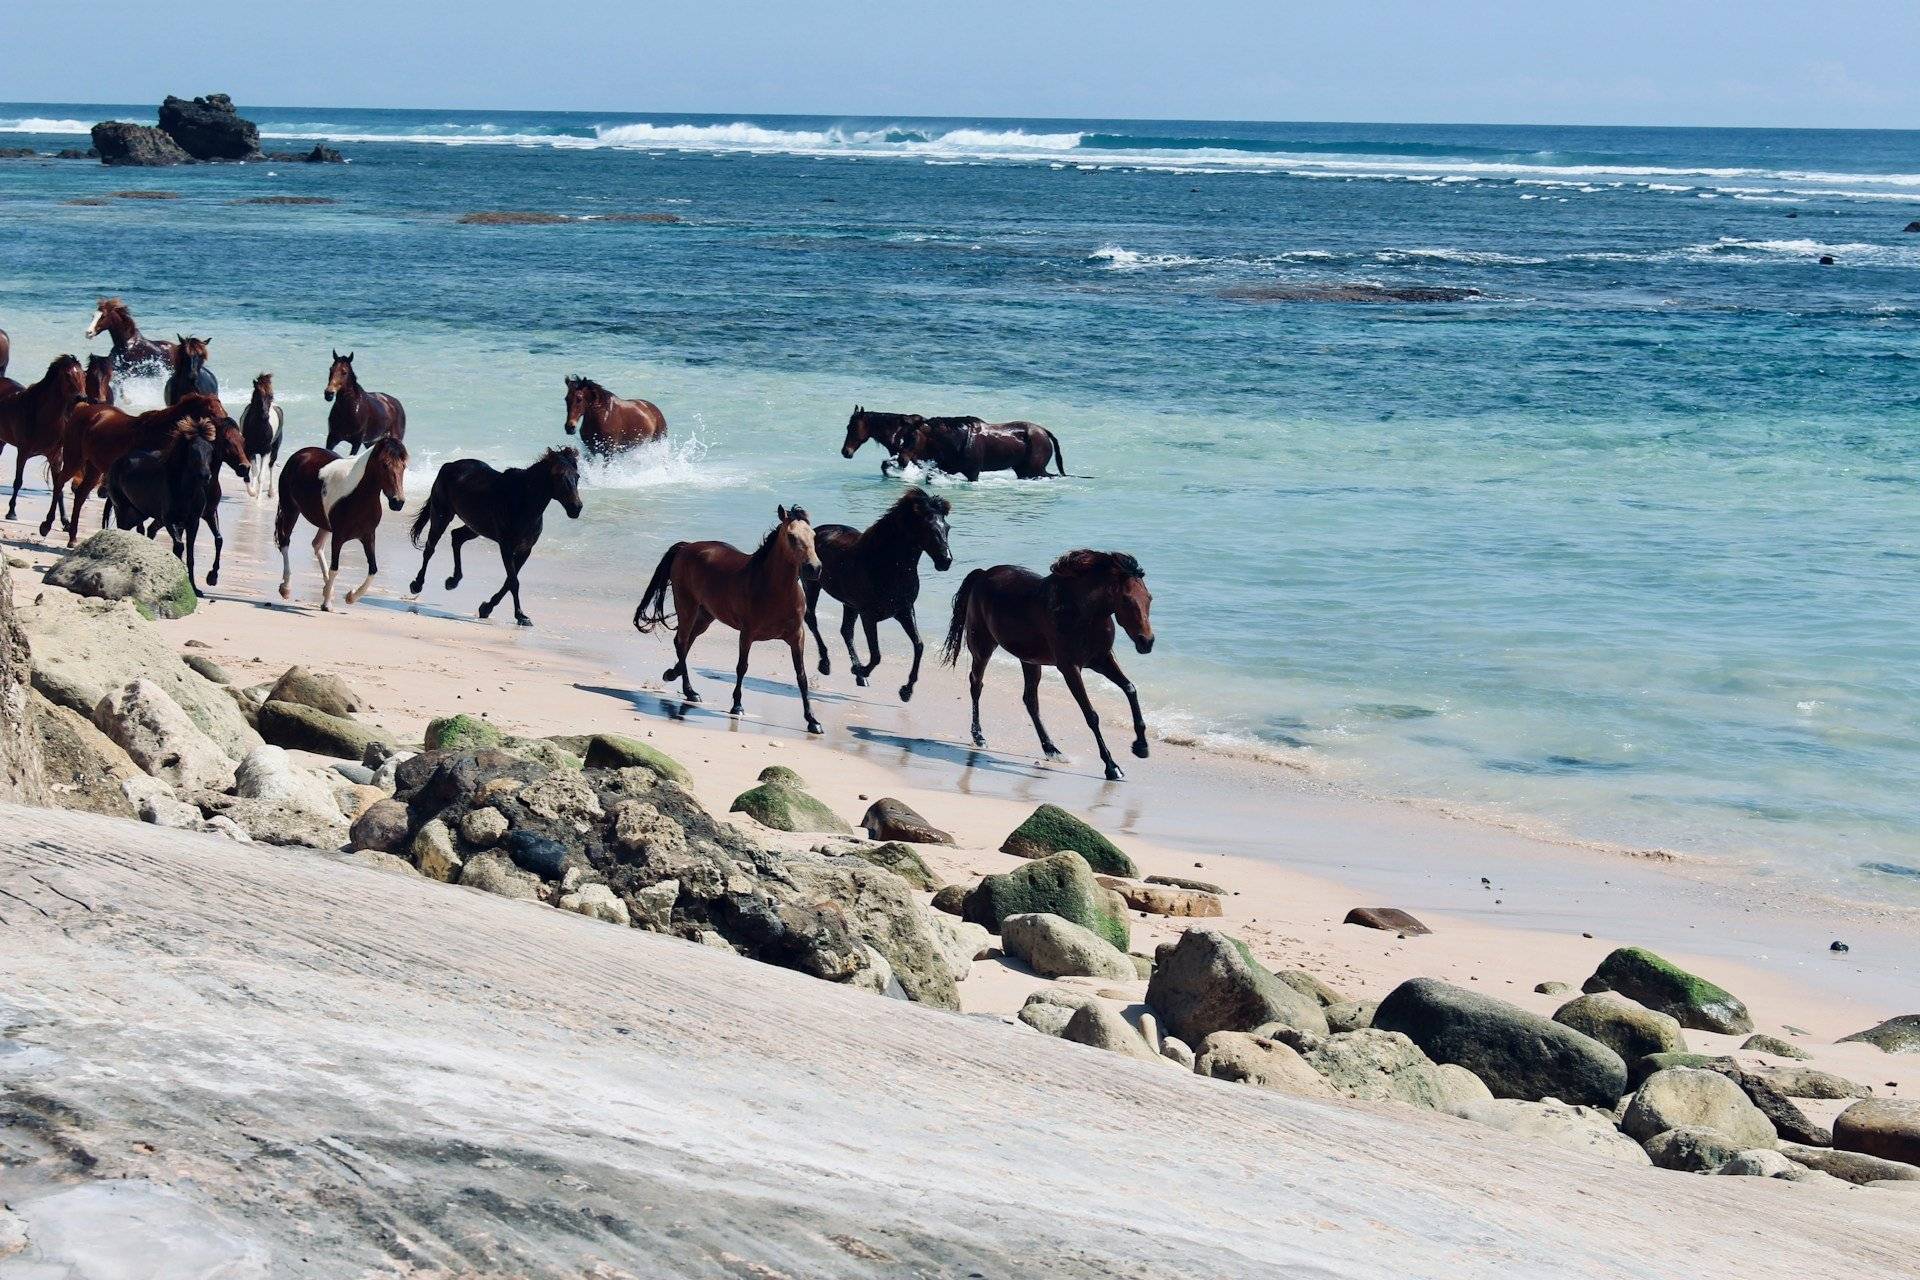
(300, 728)
(1051, 829)
(903, 861)
(787, 808)
(461, 732)
(118, 564)
(1658, 983)
(1062, 885)
(1625, 1026)
(781, 774)
(612, 751)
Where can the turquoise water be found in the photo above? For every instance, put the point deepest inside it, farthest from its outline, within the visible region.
(1621, 543)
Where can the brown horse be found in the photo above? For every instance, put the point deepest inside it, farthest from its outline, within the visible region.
(1063, 620)
(963, 446)
(340, 497)
(100, 379)
(190, 373)
(131, 348)
(99, 435)
(759, 595)
(359, 416)
(608, 424)
(33, 420)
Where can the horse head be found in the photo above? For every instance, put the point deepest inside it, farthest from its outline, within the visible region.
(795, 534)
(99, 379)
(1111, 581)
(200, 404)
(929, 512)
(865, 425)
(231, 445)
(106, 314)
(562, 468)
(67, 380)
(339, 375)
(189, 354)
(388, 464)
(582, 393)
(263, 390)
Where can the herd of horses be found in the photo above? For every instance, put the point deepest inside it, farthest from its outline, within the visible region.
(161, 469)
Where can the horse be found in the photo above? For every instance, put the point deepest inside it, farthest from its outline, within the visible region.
(262, 429)
(190, 373)
(171, 487)
(1063, 620)
(340, 497)
(608, 424)
(964, 446)
(359, 417)
(132, 350)
(507, 506)
(876, 574)
(759, 595)
(99, 384)
(99, 435)
(6, 353)
(33, 420)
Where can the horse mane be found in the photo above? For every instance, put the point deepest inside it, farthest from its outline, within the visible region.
(392, 455)
(1086, 563)
(186, 349)
(556, 454)
(192, 429)
(108, 306)
(765, 549)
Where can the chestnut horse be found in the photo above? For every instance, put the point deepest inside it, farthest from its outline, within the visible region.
(963, 446)
(33, 420)
(507, 506)
(99, 435)
(131, 349)
(340, 497)
(358, 416)
(759, 595)
(190, 373)
(876, 575)
(1063, 620)
(100, 379)
(608, 424)
(262, 429)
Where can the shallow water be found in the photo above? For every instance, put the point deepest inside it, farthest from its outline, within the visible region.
(1622, 544)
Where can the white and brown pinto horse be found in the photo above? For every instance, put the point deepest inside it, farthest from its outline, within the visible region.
(608, 424)
(340, 497)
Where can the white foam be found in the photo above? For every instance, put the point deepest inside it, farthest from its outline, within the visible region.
(43, 124)
(678, 463)
(1115, 258)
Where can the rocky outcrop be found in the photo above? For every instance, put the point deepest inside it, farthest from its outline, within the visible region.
(1625, 1026)
(1050, 829)
(209, 128)
(1055, 948)
(84, 768)
(118, 564)
(1658, 983)
(1518, 1054)
(136, 145)
(1062, 885)
(23, 778)
(1205, 982)
(878, 908)
(890, 819)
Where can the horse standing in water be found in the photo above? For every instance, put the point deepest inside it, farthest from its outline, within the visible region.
(262, 428)
(507, 506)
(33, 420)
(99, 435)
(359, 417)
(1063, 620)
(608, 424)
(958, 446)
(876, 575)
(132, 350)
(340, 497)
(190, 374)
(759, 595)
(100, 379)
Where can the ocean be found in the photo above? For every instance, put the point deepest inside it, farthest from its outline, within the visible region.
(1545, 474)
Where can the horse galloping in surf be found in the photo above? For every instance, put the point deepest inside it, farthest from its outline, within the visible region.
(507, 506)
(608, 424)
(190, 374)
(963, 446)
(99, 384)
(262, 429)
(876, 575)
(99, 435)
(359, 417)
(1064, 620)
(33, 420)
(340, 497)
(133, 351)
(759, 595)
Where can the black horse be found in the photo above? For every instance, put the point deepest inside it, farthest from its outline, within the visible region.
(876, 575)
(190, 374)
(964, 446)
(168, 488)
(507, 506)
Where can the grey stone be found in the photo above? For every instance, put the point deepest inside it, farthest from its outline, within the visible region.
(598, 901)
(1247, 1059)
(1683, 1097)
(1774, 1045)
(1558, 1124)
(1759, 1162)
(1884, 1127)
(119, 564)
(1053, 947)
(161, 738)
(383, 826)
(1351, 1016)
(1658, 983)
(1516, 1053)
(1100, 1026)
(484, 827)
(495, 873)
(316, 689)
(433, 854)
(1691, 1150)
(1851, 1166)
(1896, 1035)
(1379, 1065)
(1205, 982)
(1625, 1026)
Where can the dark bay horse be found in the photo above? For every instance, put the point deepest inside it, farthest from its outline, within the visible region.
(340, 497)
(608, 424)
(507, 506)
(99, 435)
(132, 350)
(759, 595)
(359, 416)
(34, 419)
(190, 374)
(6, 352)
(963, 446)
(100, 379)
(876, 575)
(172, 488)
(262, 428)
(1063, 620)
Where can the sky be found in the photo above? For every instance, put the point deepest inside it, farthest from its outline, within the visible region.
(1846, 63)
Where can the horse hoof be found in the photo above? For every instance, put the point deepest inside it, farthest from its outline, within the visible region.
(213, 579)
(737, 710)
(415, 586)
(452, 583)
(486, 610)
(859, 679)
(1114, 774)
(906, 693)
(826, 668)
(979, 739)
(1140, 750)
(286, 593)
(813, 726)
(523, 619)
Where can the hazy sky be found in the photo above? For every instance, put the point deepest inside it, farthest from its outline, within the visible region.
(1758, 62)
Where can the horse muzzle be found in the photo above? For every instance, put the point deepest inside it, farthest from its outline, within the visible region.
(942, 563)
(394, 504)
(846, 450)
(327, 395)
(574, 509)
(809, 573)
(1143, 644)
(568, 425)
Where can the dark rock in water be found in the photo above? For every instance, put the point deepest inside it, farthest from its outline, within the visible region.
(284, 200)
(1890, 868)
(323, 155)
(1826, 259)
(120, 143)
(76, 153)
(890, 819)
(17, 153)
(1913, 226)
(209, 128)
(1358, 291)
(1392, 919)
(1516, 1053)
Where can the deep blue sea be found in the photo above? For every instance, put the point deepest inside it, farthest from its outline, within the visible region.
(1623, 543)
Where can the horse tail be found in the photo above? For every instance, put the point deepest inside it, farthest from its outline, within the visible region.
(651, 612)
(423, 517)
(1059, 454)
(957, 628)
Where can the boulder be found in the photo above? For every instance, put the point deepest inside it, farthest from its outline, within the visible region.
(652, 907)
(1761, 1042)
(1851, 1166)
(1062, 885)
(1787, 1119)
(1551, 988)
(83, 768)
(496, 873)
(878, 908)
(1308, 985)
(1247, 1059)
(1391, 919)
(1351, 1015)
(375, 860)
(1625, 1026)
(1161, 900)
(1884, 1127)
(1205, 982)
(207, 667)
(268, 774)
(23, 773)
(612, 751)
(542, 856)
(316, 689)
(1379, 1065)
(1896, 1035)
(1187, 882)
(1759, 1163)
(902, 860)
(209, 128)
(785, 807)
(1516, 1053)
(432, 852)
(1557, 1124)
(1682, 1097)
(598, 901)
(783, 775)
(563, 798)
(951, 899)
(120, 143)
(1054, 947)
(1691, 1150)
(1641, 1068)
(890, 819)
(1102, 1027)
(961, 943)
(269, 822)
(383, 826)
(160, 737)
(1659, 984)
(118, 564)
(303, 728)
(484, 827)
(1050, 1009)
(461, 732)
(1050, 829)
(1176, 1051)
(1811, 1082)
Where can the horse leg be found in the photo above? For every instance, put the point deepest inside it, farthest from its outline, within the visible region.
(81, 489)
(740, 670)
(1078, 687)
(513, 584)
(190, 533)
(692, 623)
(373, 567)
(434, 530)
(326, 574)
(813, 624)
(212, 516)
(461, 537)
(1107, 667)
(870, 623)
(487, 605)
(848, 617)
(57, 481)
(982, 650)
(909, 625)
(1030, 695)
(20, 474)
(799, 646)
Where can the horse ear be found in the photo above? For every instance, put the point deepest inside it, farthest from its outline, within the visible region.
(336, 353)
(782, 513)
